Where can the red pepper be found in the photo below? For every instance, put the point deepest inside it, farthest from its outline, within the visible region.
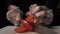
(30, 19)
(20, 30)
(27, 25)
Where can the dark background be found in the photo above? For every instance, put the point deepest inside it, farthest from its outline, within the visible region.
(24, 5)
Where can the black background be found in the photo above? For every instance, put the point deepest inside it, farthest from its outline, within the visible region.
(24, 5)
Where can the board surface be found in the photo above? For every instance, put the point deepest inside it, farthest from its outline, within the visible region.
(10, 30)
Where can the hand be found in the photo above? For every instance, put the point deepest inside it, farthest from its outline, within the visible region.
(14, 14)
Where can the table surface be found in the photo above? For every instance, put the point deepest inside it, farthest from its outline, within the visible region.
(10, 30)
